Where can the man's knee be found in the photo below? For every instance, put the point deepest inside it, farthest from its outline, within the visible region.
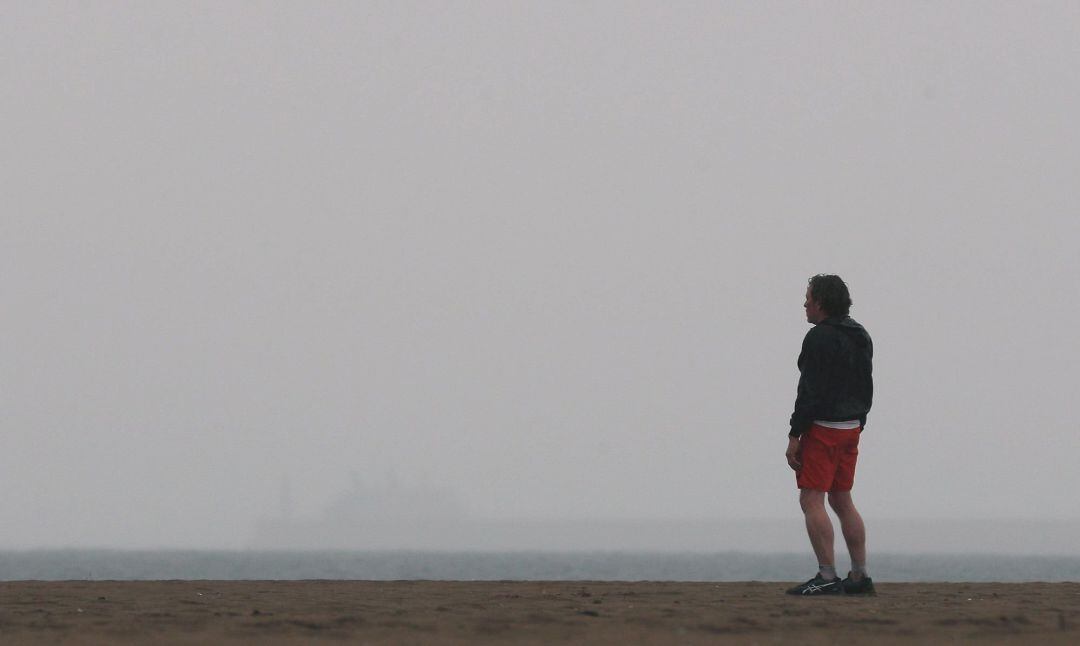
(811, 499)
(841, 502)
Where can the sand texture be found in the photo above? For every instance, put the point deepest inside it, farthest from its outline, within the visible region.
(449, 612)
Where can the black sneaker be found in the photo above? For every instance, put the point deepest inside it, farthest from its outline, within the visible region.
(864, 585)
(818, 585)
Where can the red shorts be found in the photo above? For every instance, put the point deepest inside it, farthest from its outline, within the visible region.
(828, 458)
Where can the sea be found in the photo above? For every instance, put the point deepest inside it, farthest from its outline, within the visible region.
(387, 565)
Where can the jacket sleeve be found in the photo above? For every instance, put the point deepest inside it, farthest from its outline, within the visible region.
(812, 384)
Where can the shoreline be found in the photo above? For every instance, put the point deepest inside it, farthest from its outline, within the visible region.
(527, 612)
(610, 565)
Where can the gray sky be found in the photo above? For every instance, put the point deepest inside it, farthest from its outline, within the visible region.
(549, 256)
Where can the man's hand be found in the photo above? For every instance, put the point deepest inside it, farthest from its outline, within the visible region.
(792, 453)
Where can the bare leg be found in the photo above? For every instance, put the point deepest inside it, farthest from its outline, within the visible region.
(851, 524)
(818, 525)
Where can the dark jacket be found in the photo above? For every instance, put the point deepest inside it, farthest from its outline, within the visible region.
(836, 383)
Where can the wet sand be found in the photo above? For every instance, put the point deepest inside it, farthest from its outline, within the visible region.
(453, 612)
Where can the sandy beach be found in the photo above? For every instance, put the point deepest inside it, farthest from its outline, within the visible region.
(450, 612)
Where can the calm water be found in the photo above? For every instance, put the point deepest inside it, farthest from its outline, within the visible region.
(614, 566)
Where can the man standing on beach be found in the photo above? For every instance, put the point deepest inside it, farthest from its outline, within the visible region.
(835, 390)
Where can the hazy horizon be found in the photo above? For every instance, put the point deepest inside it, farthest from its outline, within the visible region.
(549, 257)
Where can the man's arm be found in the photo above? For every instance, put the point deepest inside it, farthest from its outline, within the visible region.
(811, 385)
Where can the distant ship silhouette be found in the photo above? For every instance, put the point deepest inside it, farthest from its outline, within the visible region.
(421, 517)
(387, 516)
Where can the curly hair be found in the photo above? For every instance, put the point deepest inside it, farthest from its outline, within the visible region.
(830, 292)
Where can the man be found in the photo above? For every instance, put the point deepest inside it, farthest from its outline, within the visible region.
(834, 394)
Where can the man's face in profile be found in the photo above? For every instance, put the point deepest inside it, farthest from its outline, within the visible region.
(814, 313)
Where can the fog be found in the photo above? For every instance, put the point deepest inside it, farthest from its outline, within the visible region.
(545, 259)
